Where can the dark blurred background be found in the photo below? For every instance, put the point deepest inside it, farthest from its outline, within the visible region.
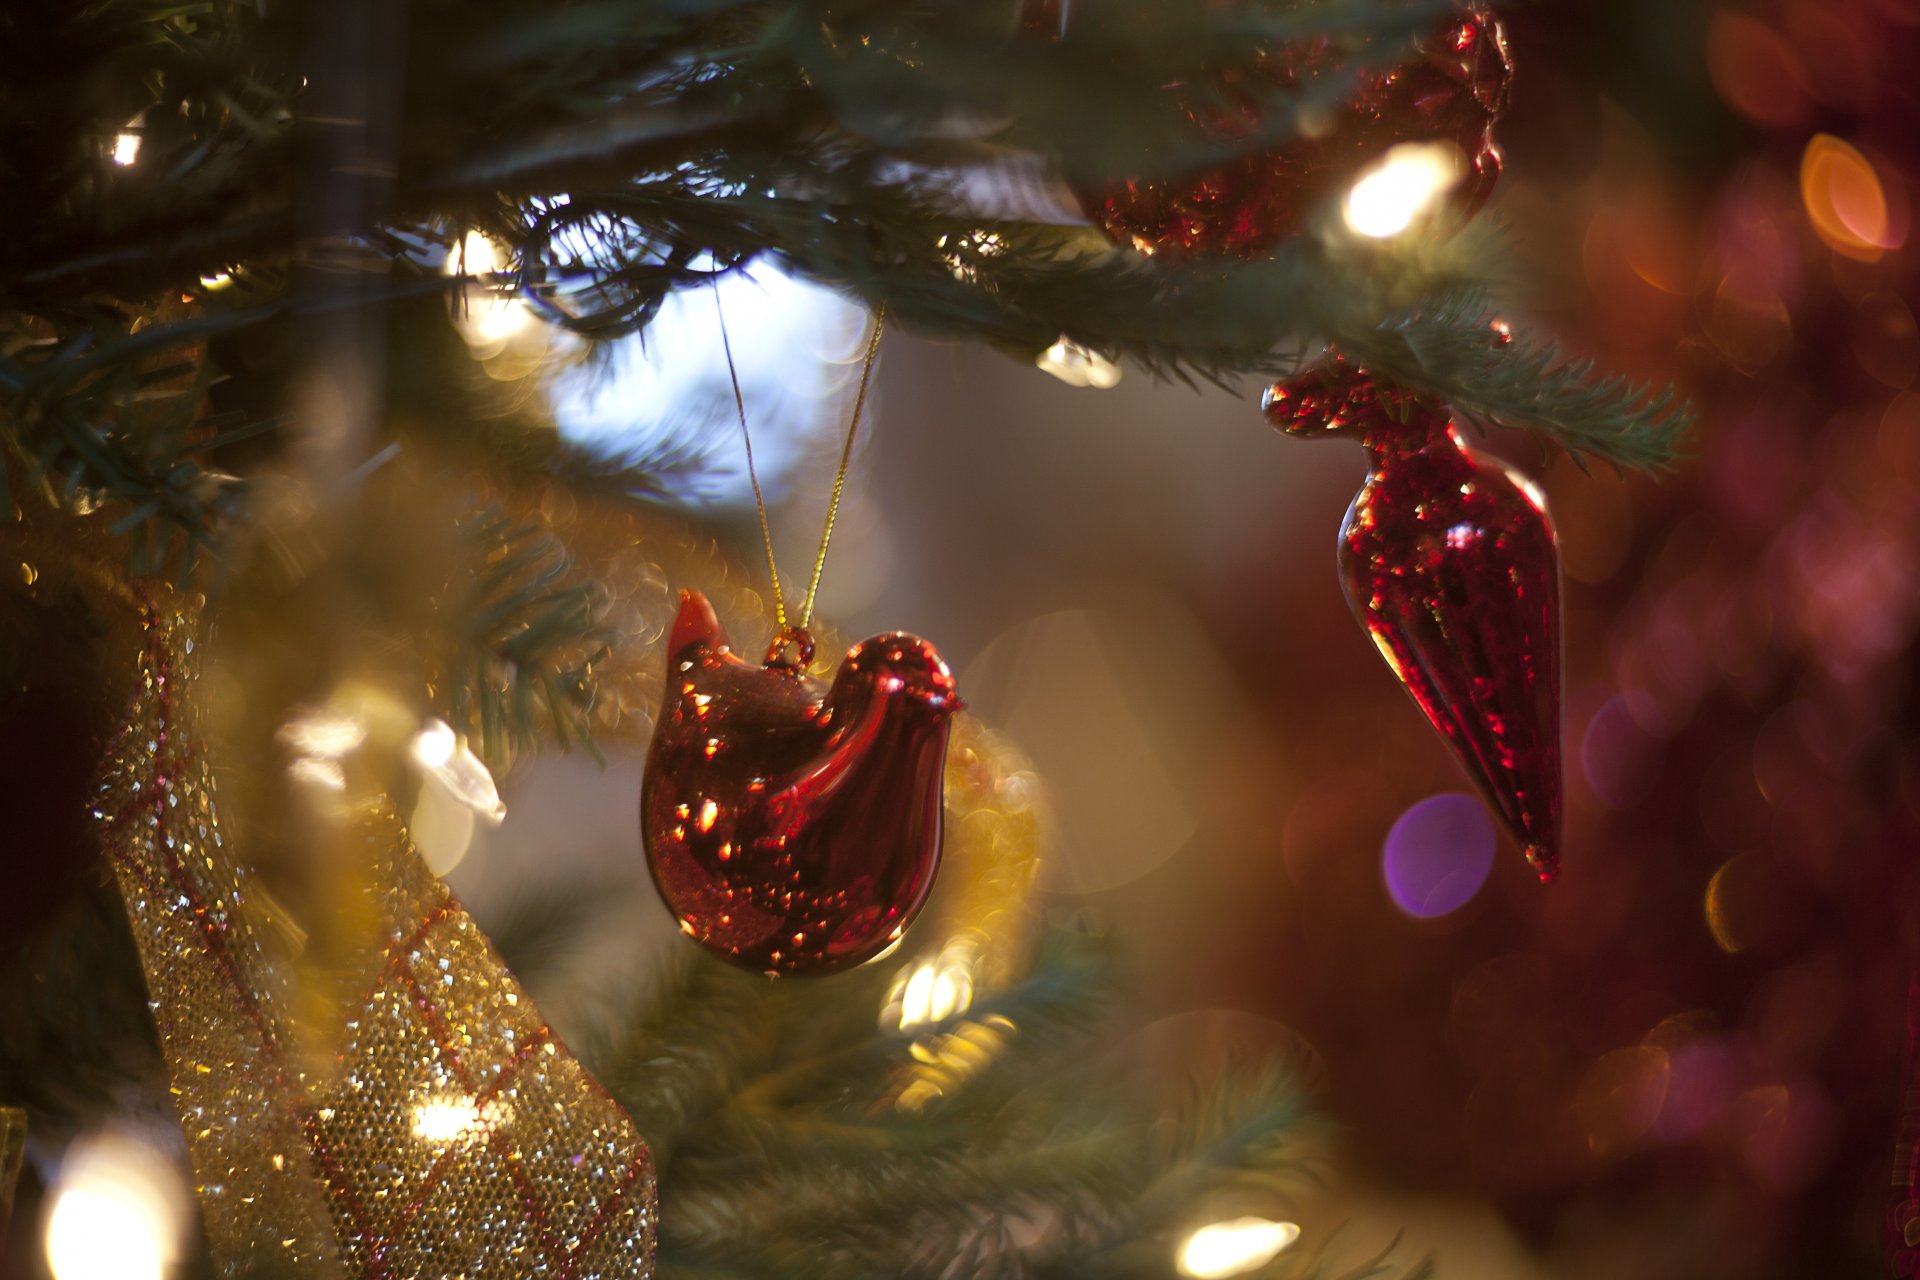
(1687, 1058)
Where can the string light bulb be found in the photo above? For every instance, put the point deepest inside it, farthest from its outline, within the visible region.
(934, 990)
(117, 1213)
(443, 756)
(491, 319)
(1078, 366)
(1230, 1248)
(1407, 183)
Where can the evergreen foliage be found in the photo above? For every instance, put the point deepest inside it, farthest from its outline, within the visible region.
(304, 167)
(623, 150)
(300, 171)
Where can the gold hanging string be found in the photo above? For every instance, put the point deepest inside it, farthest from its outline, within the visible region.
(846, 456)
(839, 477)
(759, 501)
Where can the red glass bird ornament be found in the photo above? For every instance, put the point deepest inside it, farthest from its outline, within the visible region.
(794, 827)
(1450, 563)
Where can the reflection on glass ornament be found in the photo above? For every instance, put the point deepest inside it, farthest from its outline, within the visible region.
(1230, 1248)
(660, 404)
(792, 826)
(1450, 563)
(118, 1211)
(126, 148)
(1078, 366)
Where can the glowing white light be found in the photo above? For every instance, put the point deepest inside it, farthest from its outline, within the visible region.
(318, 739)
(218, 280)
(477, 256)
(323, 733)
(117, 1213)
(443, 757)
(126, 148)
(952, 993)
(491, 315)
(495, 320)
(1078, 366)
(442, 829)
(986, 244)
(1229, 1248)
(665, 405)
(1410, 180)
(441, 1121)
(434, 745)
(934, 990)
(916, 1001)
(324, 775)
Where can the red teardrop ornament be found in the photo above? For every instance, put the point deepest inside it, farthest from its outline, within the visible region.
(1452, 88)
(1449, 561)
(791, 826)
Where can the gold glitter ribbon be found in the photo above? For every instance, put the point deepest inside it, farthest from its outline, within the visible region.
(455, 1136)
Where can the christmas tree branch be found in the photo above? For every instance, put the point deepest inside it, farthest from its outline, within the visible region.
(840, 135)
(524, 99)
(1456, 351)
(75, 1008)
(529, 633)
(799, 1137)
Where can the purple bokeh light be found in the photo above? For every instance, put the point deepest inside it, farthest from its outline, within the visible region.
(1621, 760)
(1704, 1077)
(1438, 855)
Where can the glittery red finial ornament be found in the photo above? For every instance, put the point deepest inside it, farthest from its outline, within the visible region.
(1450, 563)
(1453, 89)
(794, 827)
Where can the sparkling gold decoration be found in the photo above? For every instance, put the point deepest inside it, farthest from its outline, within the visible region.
(443, 1131)
(987, 913)
(454, 1136)
(980, 924)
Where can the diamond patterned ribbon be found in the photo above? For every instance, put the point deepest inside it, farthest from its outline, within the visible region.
(454, 1137)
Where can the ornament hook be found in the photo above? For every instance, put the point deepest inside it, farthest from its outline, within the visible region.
(791, 650)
